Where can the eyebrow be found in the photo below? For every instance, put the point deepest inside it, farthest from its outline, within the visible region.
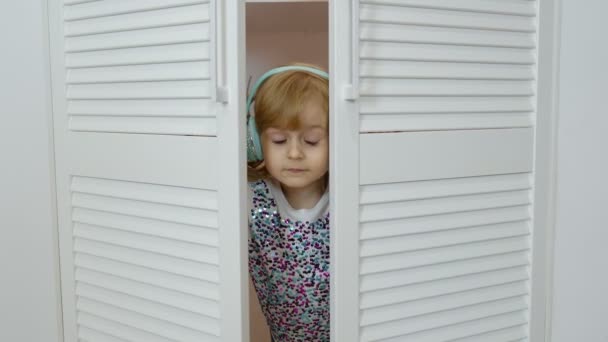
(306, 128)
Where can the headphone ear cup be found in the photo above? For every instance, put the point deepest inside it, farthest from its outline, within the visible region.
(254, 146)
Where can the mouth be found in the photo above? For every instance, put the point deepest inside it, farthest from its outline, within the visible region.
(295, 170)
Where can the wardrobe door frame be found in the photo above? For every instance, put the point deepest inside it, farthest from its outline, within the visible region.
(344, 142)
(231, 93)
(545, 165)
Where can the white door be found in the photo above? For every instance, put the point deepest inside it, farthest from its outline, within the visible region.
(433, 128)
(148, 102)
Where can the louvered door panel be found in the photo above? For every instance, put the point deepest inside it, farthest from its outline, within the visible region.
(146, 259)
(458, 248)
(430, 65)
(151, 247)
(438, 254)
(140, 67)
(443, 146)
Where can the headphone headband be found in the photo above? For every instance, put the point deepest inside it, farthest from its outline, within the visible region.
(275, 71)
(254, 148)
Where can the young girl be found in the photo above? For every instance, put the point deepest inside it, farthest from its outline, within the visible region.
(288, 148)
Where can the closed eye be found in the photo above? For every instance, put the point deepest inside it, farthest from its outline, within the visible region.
(311, 143)
(279, 141)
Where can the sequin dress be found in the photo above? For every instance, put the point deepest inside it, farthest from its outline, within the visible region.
(289, 264)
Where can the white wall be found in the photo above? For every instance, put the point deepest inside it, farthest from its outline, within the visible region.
(266, 50)
(28, 283)
(580, 304)
(279, 33)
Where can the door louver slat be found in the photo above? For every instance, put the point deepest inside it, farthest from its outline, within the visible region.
(147, 63)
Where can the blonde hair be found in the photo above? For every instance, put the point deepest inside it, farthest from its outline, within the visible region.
(280, 100)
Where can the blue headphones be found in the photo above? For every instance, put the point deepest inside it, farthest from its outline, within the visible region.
(254, 146)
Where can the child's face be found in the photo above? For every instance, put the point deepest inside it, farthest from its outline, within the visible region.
(299, 158)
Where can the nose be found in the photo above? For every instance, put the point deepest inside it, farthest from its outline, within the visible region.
(295, 151)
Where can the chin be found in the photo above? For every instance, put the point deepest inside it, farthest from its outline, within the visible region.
(298, 182)
(295, 183)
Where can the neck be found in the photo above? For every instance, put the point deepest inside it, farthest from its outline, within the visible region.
(305, 197)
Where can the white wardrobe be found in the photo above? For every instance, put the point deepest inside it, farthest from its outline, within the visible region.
(440, 130)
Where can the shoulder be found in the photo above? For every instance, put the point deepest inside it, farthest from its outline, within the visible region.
(259, 193)
(258, 188)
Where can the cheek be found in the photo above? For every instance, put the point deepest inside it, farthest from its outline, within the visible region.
(270, 155)
(267, 147)
(322, 156)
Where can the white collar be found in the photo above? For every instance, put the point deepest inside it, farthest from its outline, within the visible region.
(303, 215)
